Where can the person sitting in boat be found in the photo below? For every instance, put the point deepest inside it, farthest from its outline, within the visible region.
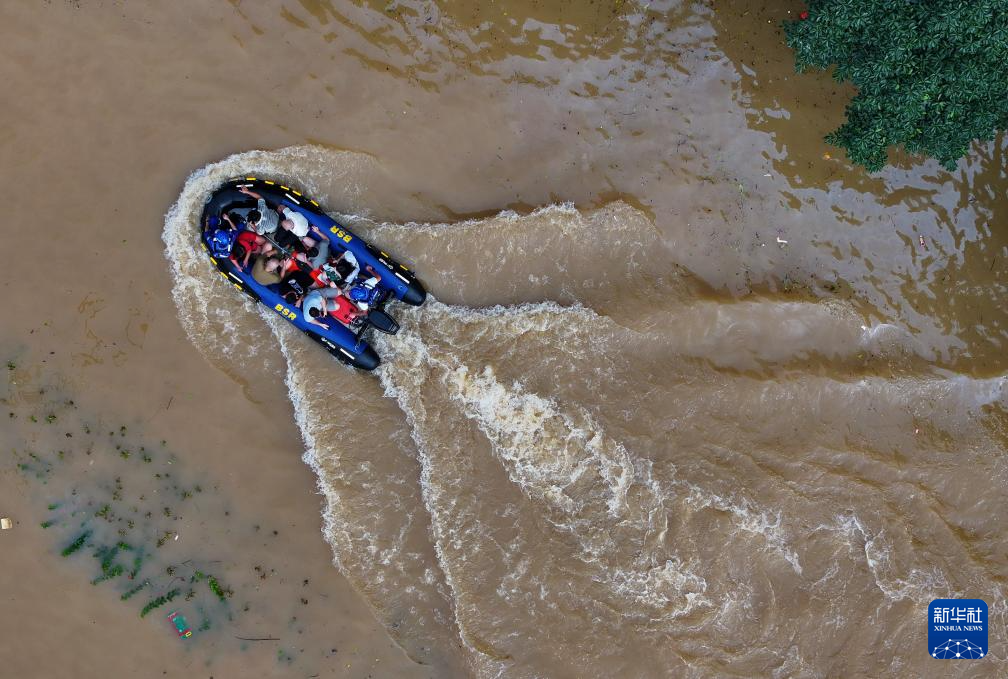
(263, 219)
(236, 221)
(315, 257)
(249, 243)
(342, 270)
(318, 254)
(296, 228)
(289, 262)
(323, 302)
(295, 281)
(245, 243)
(266, 270)
(244, 247)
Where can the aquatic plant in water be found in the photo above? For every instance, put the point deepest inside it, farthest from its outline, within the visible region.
(113, 572)
(137, 565)
(120, 533)
(130, 592)
(216, 588)
(76, 544)
(159, 601)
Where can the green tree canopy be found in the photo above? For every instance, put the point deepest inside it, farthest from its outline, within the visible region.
(932, 75)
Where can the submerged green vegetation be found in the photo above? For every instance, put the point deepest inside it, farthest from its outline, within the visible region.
(159, 601)
(123, 561)
(930, 74)
(126, 530)
(74, 546)
(131, 520)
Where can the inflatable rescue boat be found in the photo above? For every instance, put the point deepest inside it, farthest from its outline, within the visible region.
(358, 279)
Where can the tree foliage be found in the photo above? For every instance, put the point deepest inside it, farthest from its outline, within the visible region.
(931, 75)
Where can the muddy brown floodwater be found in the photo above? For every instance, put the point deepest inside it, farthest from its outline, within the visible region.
(691, 397)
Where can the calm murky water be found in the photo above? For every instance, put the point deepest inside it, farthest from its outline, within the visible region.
(692, 396)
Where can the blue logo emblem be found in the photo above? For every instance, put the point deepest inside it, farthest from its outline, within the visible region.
(957, 629)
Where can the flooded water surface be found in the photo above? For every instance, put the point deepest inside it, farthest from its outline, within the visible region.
(691, 396)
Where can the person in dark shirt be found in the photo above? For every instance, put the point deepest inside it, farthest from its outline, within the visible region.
(296, 282)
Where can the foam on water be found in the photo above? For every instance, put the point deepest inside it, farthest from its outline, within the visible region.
(750, 519)
(918, 585)
(368, 521)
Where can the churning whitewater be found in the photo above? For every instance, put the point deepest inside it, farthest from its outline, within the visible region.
(584, 461)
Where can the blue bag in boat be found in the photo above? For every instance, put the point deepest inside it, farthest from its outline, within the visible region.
(221, 242)
(360, 293)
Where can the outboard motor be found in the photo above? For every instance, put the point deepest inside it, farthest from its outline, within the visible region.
(383, 322)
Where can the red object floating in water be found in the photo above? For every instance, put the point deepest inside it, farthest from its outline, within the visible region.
(180, 624)
(803, 15)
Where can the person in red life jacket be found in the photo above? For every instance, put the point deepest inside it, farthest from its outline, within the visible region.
(328, 301)
(246, 245)
(296, 280)
(345, 311)
(247, 242)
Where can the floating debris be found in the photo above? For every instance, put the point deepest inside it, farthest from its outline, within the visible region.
(5, 524)
(181, 626)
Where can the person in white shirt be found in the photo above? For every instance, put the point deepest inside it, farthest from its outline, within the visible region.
(297, 224)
